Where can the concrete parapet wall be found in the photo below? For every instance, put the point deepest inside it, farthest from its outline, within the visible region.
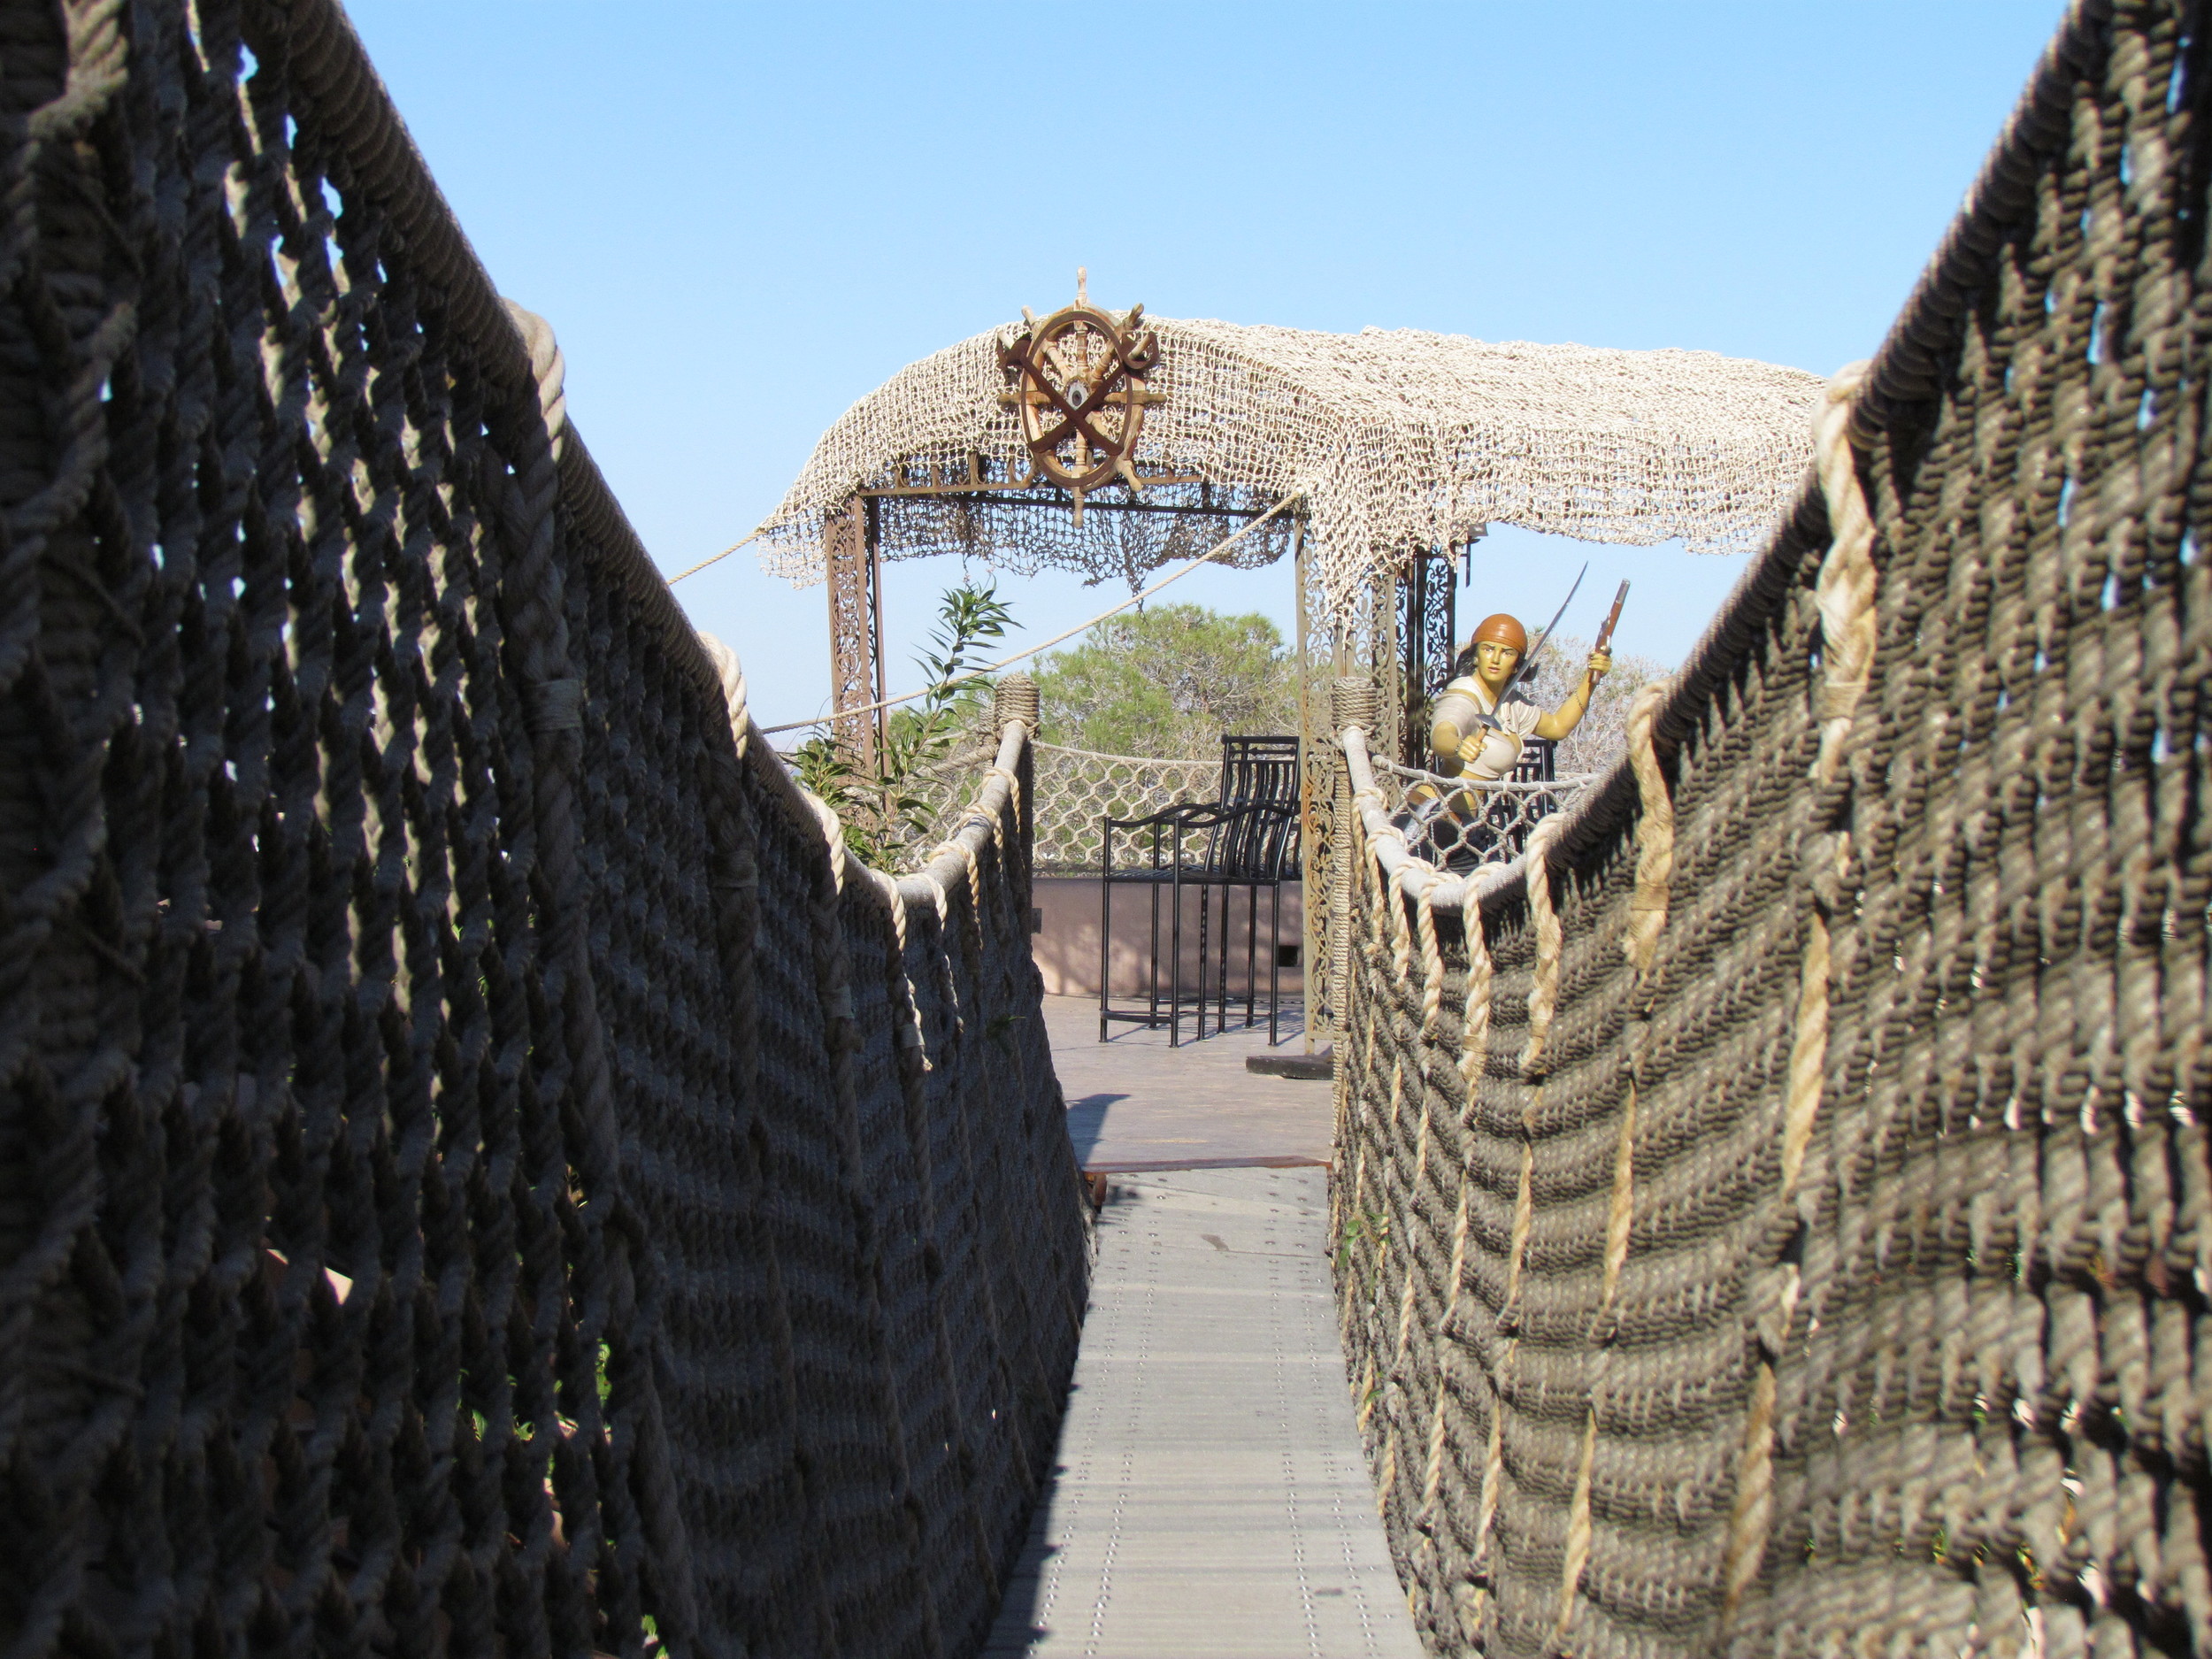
(1065, 940)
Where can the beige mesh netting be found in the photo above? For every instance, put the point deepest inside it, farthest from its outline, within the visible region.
(1396, 439)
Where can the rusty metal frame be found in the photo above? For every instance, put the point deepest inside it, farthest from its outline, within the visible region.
(854, 566)
(1427, 621)
(1031, 488)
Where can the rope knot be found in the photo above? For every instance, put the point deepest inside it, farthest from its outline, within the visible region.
(554, 705)
(1838, 698)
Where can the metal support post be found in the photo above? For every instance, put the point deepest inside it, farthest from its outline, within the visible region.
(1352, 701)
(855, 630)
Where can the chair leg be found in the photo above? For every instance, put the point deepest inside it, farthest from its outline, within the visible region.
(1175, 959)
(1105, 946)
(1221, 978)
(1251, 958)
(1206, 903)
(1205, 915)
(1274, 957)
(1206, 963)
(1221, 1016)
(1152, 978)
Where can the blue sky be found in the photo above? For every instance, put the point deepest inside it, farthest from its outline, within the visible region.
(741, 218)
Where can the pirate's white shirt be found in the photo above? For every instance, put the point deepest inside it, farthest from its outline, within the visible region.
(1500, 750)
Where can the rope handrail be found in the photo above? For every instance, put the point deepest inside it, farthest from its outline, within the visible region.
(1407, 870)
(1771, 1209)
(488, 1132)
(1435, 885)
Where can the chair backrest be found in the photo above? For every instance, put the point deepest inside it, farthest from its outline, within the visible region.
(1254, 843)
(1257, 844)
(1258, 769)
(1539, 756)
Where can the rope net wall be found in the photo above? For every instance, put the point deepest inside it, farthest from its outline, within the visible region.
(1396, 439)
(1077, 787)
(1457, 823)
(1817, 1261)
(480, 1172)
(1075, 790)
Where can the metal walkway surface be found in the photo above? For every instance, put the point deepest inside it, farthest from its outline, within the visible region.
(1209, 1496)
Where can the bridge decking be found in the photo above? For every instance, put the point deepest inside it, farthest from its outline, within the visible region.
(1210, 1497)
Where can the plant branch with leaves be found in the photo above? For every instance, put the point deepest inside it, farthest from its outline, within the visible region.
(888, 806)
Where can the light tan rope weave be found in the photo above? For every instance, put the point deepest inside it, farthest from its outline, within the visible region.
(1399, 438)
(1844, 589)
(1543, 995)
(1655, 832)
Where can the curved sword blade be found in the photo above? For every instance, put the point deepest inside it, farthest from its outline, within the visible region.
(1528, 662)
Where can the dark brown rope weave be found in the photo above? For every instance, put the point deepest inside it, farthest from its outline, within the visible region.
(1991, 1383)
(471, 1179)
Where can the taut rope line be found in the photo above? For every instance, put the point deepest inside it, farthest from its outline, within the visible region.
(1023, 656)
(757, 532)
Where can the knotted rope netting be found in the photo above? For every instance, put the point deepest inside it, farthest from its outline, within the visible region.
(1394, 440)
(480, 1171)
(1077, 790)
(1775, 1217)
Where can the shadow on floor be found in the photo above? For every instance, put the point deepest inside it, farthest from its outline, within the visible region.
(1208, 1497)
(1086, 1123)
(1135, 1102)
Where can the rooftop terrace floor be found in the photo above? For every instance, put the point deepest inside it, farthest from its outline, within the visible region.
(1209, 1495)
(1135, 1101)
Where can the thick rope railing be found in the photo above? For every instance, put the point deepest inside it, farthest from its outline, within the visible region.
(1457, 823)
(1812, 1261)
(483, 1170)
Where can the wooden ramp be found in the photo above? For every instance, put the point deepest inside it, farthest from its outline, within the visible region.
(1210, 1494)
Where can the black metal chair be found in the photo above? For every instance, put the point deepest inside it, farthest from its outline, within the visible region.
(1258, 769)
(1247, 841)
(1539, 756)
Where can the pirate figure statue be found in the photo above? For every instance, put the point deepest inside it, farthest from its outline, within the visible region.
(1478, 729)
(1484, 718)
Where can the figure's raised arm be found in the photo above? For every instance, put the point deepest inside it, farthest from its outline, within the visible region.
(1569, 714)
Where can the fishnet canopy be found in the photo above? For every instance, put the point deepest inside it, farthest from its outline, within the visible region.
(1397, 438)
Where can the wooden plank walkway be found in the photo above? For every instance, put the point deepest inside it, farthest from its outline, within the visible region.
(1210, 1494)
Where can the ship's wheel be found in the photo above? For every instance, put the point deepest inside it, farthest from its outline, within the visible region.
(1077, 379)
